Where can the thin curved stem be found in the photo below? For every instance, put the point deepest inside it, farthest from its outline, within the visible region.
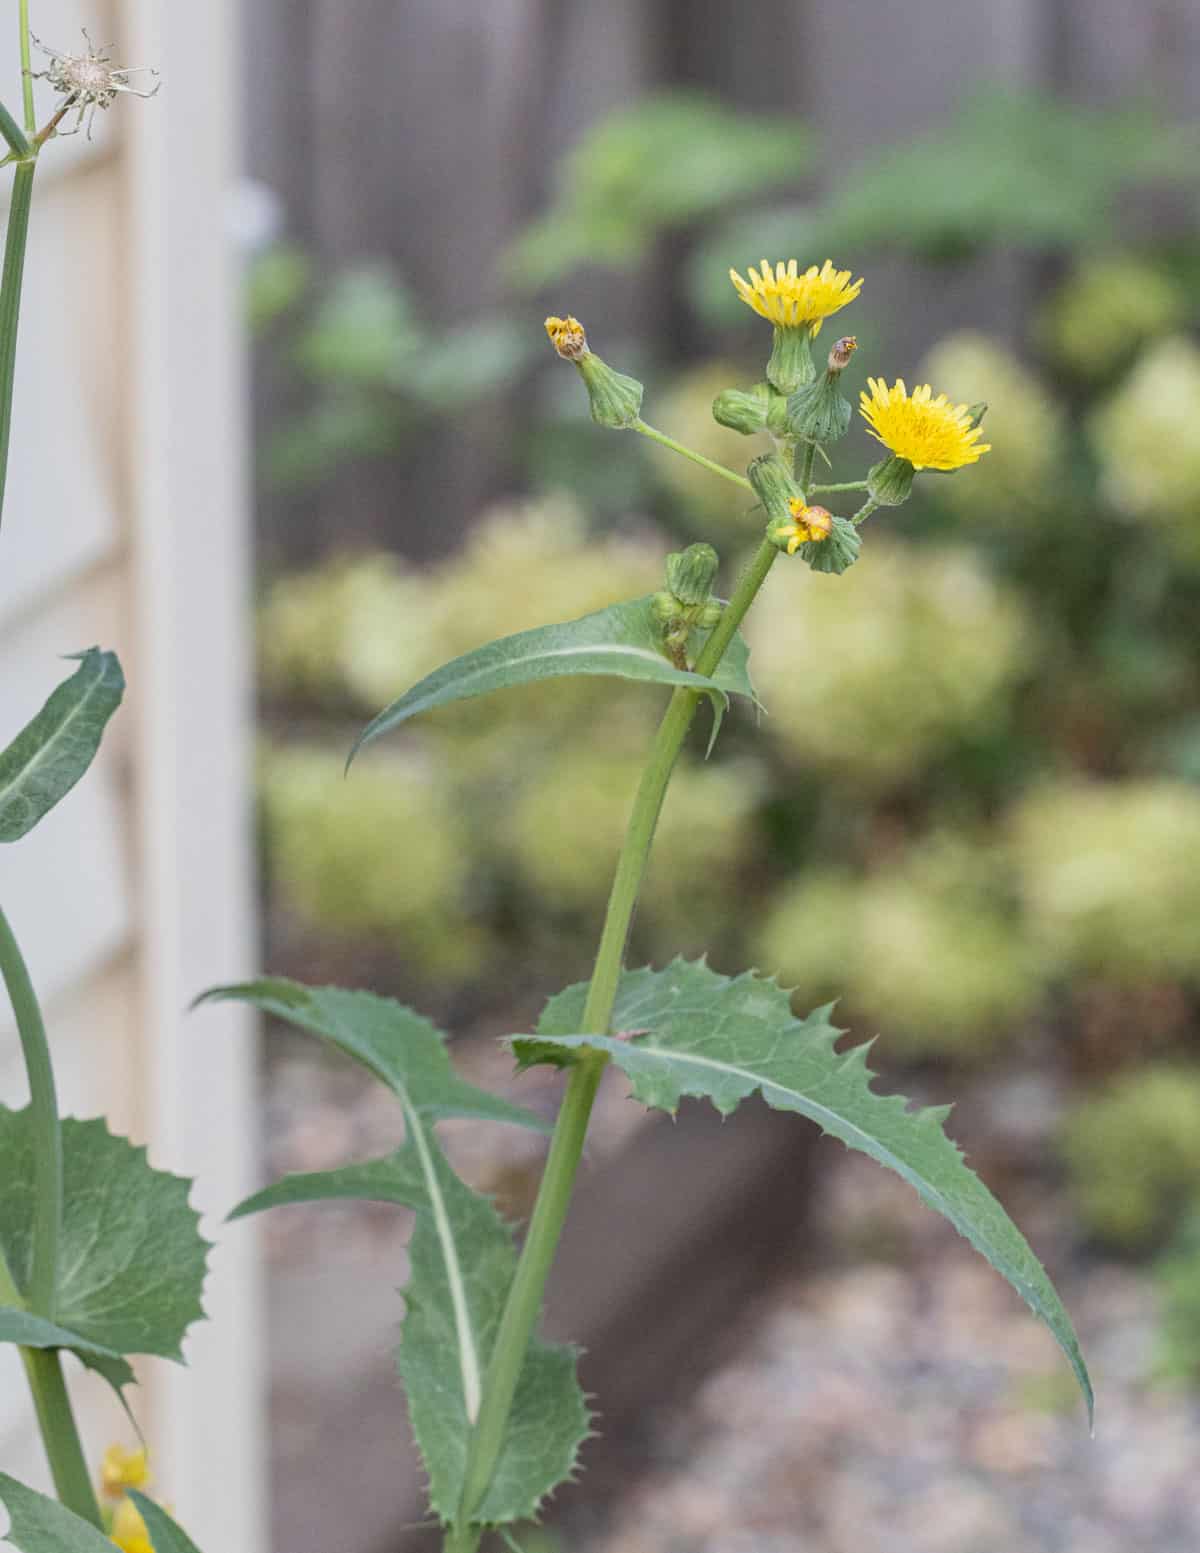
(11, 282)
(566, 1147)
(697, 458)
(26, 68)
(47, 1135)
(832, 490)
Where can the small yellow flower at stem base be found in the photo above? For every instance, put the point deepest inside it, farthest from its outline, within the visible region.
(121, 1469)
(929, 433)
(128, 1529)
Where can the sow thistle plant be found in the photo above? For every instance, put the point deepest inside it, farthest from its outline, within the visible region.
(498, 1413)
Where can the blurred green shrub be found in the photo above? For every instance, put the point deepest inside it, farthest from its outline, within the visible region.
(1132, 1154)
(1177, 1274)
(870, 676)
(668, 160)
(1145, 439)
(1107, 309)
(388, 857)
(372, 372)
(1110, 878)
(928, 949)
(1018, 481)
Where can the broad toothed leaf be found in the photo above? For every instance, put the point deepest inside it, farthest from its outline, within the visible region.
(463, 1260)
(165, 1535)
(42, 1525)
(402, 1049)
(623, 640)
(723, 1039)
(131, 1257)
(51, 753)
(462, 1253)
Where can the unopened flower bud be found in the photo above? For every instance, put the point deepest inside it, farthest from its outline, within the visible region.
(889, 484)
(742, 410)
(691, 573)
(838, 551)
(774, 486)
(841, 352)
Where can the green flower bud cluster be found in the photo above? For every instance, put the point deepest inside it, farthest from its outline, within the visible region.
(686, 603)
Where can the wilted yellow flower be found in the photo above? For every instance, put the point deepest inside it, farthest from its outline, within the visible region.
(809, 524)
(122, 1469)
(930, 433)
(791, 299)
(567, 337)
(129, 1529)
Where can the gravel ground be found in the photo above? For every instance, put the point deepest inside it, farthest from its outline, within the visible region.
(919, 1408)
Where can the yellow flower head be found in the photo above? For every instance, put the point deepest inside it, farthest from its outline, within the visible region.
(128, 1529)
(930, 433)
(808, 525)
(567, 337)
(122, 1469)
(792, 300)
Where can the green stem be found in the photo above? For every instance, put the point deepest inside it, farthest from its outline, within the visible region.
(844, 485)
(47, 1136)
(10, 304)
(808, 458)
(566, 1147)
(26, 67)
(865, 511)
(68, 1466)
(696, 458)
(13, 133)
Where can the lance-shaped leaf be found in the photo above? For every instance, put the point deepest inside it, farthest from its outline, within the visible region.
(462, 1260)
(131, 1256)
(165, 1535)
(725, 1038)
(623, 640)
(42, 1525)
(50, 754)
(401, 1048)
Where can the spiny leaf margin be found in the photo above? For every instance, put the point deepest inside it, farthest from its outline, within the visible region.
(722, 1039)
(132, 1257)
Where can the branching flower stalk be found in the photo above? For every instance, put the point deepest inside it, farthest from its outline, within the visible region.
(796, 303)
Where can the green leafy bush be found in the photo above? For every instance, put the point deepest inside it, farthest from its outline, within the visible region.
(1132, 1154)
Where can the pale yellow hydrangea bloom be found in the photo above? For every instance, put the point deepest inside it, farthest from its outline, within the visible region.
(792, 298)
(930, 433)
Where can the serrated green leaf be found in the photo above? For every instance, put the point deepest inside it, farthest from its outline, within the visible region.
(42, 1525)
(624, 641)
(165, 1535)
(403, 1049)
(463, 1261)
(722, 1039)
(132, 1258)
(51, 753)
